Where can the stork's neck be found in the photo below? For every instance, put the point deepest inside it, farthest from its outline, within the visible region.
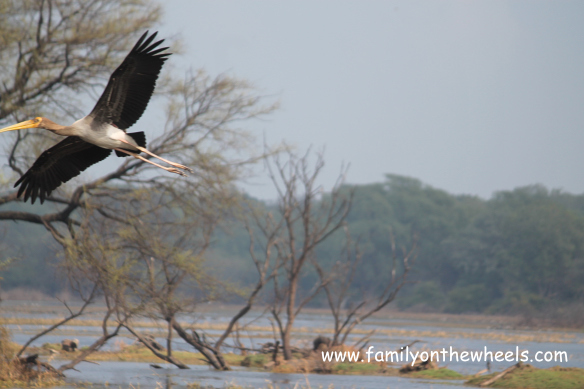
(66, 131)
(57, 128)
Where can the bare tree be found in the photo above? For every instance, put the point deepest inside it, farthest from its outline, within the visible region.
(350, 308)
(266, 273)
(73, 48)
(175, 280)
(152, 261)
(50, 50)
(198, 133)
(96, 272)
(168, 237)
(304, 217)
(193, 134)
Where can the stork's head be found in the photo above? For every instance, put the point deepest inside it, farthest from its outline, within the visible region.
(38, 122)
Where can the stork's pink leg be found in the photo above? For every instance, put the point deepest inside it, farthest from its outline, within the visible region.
(168, 169)
(142, 149)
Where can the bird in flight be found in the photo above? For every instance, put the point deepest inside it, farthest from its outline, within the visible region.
(92, 138)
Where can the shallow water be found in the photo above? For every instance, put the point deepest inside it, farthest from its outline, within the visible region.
(455, 335)
(124, 374)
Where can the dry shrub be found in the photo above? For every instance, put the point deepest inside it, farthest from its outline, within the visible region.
(13, 373)
(120, 345)
(7, 352)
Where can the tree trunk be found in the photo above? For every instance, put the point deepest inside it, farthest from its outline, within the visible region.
(165, 357)
(286, 344)
(290, 311)
(211, 354)
(94, 347)
(500, 375)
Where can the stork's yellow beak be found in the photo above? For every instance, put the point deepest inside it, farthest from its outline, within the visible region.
(34, 123)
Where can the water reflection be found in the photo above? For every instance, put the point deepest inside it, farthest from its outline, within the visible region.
(124, 374)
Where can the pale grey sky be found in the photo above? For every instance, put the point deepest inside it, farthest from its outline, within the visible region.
(468, 96)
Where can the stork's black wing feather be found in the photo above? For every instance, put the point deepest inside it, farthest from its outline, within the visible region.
(57, 165)
(131, 85)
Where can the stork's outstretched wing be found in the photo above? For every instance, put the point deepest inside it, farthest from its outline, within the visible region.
(57, 165)
(131, 85)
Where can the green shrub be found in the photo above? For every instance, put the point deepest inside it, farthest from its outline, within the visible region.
(425, 294)
(471, 298)
(256, 360)
(518, 302)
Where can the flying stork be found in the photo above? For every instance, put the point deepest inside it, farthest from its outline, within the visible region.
(92, 138)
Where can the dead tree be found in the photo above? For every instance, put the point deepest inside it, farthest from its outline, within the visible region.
(304, 217)
(266, 273)
(349, 309)
(156, 348)
(87, 299)
(102, 340)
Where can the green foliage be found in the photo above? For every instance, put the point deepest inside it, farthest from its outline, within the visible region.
(51, 346)
(518, 301)
(525, 248)
(255, 360)
(532, 378)
(522, 251)
(356, 368)
(28, 264)
(426, 295)
(471, 298)
(438, 374)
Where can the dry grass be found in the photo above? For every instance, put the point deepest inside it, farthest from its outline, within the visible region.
(529, 377)
(13, 374)
(132, 353)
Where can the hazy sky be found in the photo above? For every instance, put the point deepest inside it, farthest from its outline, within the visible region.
(468, 96)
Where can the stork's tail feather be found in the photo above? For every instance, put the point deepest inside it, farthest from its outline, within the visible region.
(140, 139)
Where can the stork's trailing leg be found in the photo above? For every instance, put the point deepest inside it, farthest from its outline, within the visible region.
(168, 169)
(144, 150)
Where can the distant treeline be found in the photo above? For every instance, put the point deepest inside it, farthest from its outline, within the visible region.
(521, 251)
(518, 252)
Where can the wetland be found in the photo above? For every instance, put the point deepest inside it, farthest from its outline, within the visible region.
(122, 362)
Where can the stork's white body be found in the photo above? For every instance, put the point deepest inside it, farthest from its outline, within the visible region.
(102, 134)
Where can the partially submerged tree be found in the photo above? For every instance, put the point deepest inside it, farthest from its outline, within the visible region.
(169, 238)
(293, 230)
(302, 219)
(151, 257)
(349, 306)
(147, 261)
